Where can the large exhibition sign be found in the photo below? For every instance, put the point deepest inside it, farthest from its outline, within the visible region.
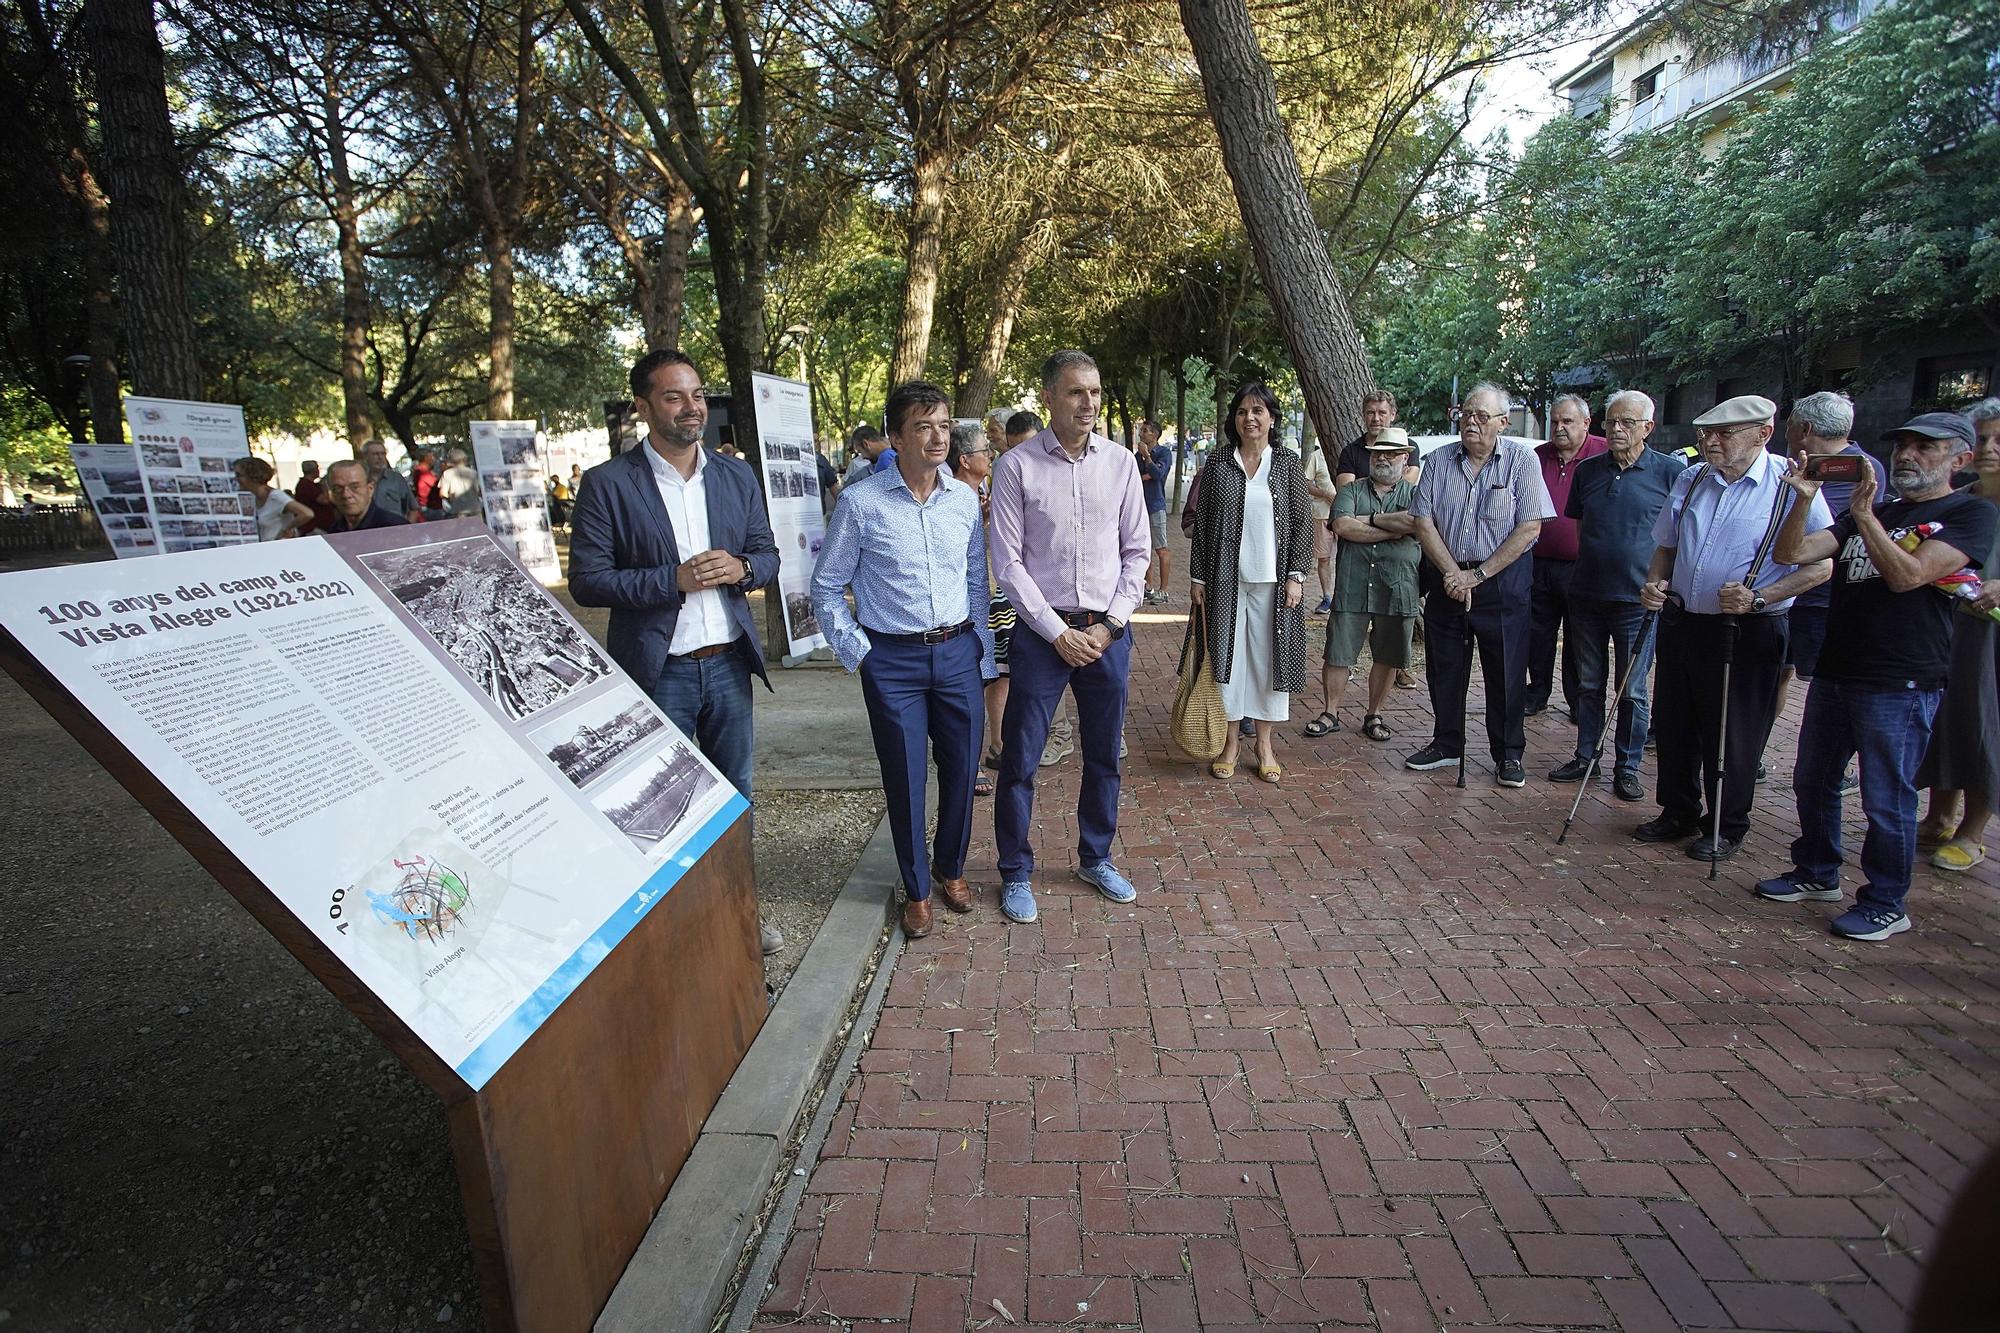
(508, 455)
(791, 495)
(116, 490)
(409, 743)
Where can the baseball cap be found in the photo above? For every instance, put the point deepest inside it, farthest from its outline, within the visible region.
(1936, 426)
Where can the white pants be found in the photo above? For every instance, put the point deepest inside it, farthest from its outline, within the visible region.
(1252, 665)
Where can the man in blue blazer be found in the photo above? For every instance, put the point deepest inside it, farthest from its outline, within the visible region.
(672, 537)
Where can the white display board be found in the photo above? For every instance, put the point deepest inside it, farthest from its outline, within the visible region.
(515, 493)
(116, 490)
(791, 497)
(410, 743)
(186, 455)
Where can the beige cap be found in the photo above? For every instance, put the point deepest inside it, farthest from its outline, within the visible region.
(1392, 438)
(1748, 410)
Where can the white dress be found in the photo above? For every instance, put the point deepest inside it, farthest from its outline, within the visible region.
(1253, 665)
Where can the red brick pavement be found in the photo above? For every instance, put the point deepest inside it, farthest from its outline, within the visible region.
(1371, 1052)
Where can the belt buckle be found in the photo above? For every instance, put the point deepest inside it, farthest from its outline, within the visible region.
(937, 636)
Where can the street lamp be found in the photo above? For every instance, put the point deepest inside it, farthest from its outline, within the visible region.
(801, 332)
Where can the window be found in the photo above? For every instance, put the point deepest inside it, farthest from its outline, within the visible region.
(1648, 83)
(1948, 383)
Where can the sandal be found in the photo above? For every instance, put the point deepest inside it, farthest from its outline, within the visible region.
(1958, 857)
(992, 759)
(1223, 771)
(1270, 773)
(982, 785)
(1374, 728)
(1933, 835)
(1323, 725)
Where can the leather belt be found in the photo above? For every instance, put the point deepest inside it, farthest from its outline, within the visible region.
(1083, 619)
(928, 638)
(1472, 564)
(700, 653)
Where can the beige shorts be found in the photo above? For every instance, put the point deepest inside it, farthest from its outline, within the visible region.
(1389, 638)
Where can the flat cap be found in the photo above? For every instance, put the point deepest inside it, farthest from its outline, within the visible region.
(1936, 426)
(1392, 438)
(1748, 410)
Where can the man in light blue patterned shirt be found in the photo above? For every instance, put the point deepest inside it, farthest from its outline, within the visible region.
(910, 542)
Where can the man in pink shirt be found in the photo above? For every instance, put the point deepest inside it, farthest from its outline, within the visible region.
(1070, 549)
(1569, 443)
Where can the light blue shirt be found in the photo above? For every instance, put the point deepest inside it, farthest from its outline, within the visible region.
(913, 567)
(1722, 528)
(1475, 510)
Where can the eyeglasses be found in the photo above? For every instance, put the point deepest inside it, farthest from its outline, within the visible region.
(1721, 432)
(1625, 423)
(1481, 418)
(973, 453)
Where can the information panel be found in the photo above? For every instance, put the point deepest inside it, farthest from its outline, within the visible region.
(508, 455)
(410, 743)
(186, 452)
(791, 496)
(111, 480)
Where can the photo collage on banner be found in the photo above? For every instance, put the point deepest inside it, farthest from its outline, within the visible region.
(470, 871)
(111, 481)
(791, 495)
(516, 493)
(185, 452)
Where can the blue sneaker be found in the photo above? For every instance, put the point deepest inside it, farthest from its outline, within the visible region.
(1869, 923)
(1792, 889)
(1106, 880)
(1017, 900)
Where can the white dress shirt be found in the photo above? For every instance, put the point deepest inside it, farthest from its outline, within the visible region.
(1257, 556)
(704, 619)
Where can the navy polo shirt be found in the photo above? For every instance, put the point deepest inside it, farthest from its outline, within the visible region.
(1614, 509)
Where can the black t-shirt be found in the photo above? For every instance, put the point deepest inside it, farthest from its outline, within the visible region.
(1878, 637)
(1353, 458)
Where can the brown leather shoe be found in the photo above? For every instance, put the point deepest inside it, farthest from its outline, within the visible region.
(956, 893)
(916, 918)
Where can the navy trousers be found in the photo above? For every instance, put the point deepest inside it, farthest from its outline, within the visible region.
(1687, 704)
(1548, 603)
(1039, 678)
(924, 699)
(1499, 617)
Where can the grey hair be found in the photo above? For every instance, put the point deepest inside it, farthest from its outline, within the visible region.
(1630, 395)
(1826, 414)
(1488, 386)
(1067, 359)
(964, 435)
(998, 417)
(1576, 398)
(1986, 409)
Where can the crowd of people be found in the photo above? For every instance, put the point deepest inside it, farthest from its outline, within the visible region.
(978, 577)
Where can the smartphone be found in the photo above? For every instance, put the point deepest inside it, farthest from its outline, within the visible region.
(1835, 467)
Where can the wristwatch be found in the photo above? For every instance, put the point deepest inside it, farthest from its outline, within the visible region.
(1757, 603)
(749, 572)
(1479, 574)
(1116, 626)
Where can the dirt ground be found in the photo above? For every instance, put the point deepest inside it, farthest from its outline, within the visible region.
(194, 1134)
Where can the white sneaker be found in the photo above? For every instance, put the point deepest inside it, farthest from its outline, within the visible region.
(1059, 747)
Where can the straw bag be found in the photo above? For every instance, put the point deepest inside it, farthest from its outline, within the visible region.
(1200, 728)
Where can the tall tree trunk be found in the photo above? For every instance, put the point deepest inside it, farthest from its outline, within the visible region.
(1007, 293)
(669, 304)
(1306, 295)
(143, 176)
(921, 258)
(100, 277)
(1153, 386)
(354, 304)
(500, 335)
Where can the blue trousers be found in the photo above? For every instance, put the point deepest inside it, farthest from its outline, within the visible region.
(923, 699)
(1500, 627)
(1890, 727)
(708, 698)
(1039, 678)
(1594, 624)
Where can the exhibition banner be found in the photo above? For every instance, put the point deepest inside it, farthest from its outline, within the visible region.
(791, 497)
(409, 743)
(186, 452)
(111, 481)
(508, 455)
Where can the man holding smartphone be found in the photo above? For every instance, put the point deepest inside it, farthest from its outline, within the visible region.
(1818, 428)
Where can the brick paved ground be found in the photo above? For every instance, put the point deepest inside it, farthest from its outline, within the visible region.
(1372, 1052)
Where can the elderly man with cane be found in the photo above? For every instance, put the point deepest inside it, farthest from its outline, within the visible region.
(1477, 510)
(1722, 598)
(1888, 654)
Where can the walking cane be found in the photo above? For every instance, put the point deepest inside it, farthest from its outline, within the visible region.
(1465, 728)
(1611, 718)
(1721, 744)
